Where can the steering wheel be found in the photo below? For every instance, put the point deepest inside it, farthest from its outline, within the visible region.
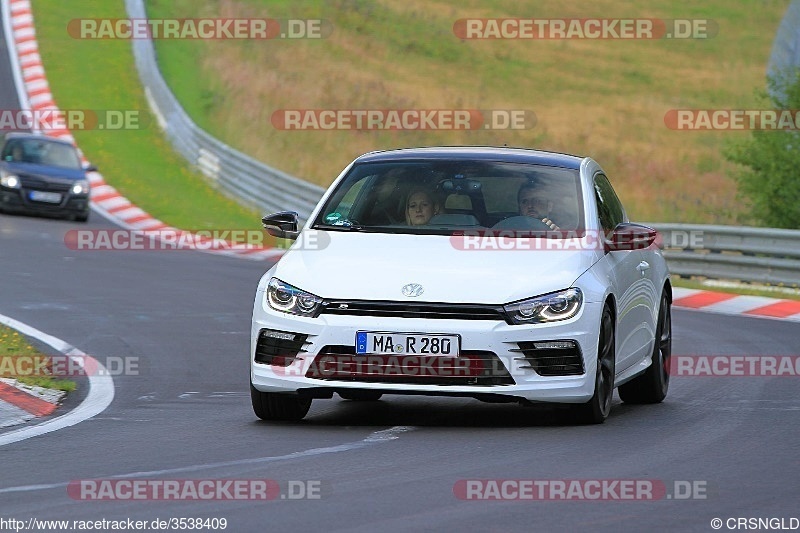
(520, 222)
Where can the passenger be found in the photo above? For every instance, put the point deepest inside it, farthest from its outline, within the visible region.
(421, 206)
(534, 203)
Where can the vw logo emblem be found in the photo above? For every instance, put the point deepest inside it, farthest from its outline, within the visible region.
(412, 290)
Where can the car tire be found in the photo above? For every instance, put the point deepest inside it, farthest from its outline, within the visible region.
(361, 395)
(652, 386)
(84, 217)
(275, 406)
(596, 410)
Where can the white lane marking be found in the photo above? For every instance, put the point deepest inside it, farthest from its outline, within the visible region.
(377, 437)
(100, 395)
(388, 434)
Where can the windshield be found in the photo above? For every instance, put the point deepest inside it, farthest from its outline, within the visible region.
(443, 197)
(42, 152)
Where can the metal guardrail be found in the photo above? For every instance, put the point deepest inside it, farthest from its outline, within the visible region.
(250, 181)
(750, 254)
(725, 252)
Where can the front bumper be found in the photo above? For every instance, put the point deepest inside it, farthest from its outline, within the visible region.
(325, 335)
(18, 201)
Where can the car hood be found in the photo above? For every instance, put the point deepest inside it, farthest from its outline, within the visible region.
(373, 266)
(44, 171)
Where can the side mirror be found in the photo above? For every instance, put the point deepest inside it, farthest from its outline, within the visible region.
(629, 236)
(282, 225)
(90, 168)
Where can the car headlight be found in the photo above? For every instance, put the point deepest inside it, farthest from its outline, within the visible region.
(288, 299)
(80, 187)
(9, 180)
(551, 307)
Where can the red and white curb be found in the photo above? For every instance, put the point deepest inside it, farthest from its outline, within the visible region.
(15, 408)
(35, 95)
(20, 403)
(734, 304)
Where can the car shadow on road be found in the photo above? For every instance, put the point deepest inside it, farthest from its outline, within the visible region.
(438, 412)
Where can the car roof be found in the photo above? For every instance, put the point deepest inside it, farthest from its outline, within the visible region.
(476, 153)
(34, 136)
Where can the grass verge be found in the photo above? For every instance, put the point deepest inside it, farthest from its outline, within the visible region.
(605, 98)
(13, 344)
(140, 163)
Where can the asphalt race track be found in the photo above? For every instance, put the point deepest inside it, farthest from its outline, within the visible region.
(185, 315)
(391, 465)
(8, 93)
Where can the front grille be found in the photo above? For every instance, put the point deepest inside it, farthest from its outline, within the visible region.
(278, 348)
(552, 358)
(472, 367)
(414, 310)
(39, 184)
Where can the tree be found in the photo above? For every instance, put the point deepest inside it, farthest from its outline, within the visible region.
(770, 177)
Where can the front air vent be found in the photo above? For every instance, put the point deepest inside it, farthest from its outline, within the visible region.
(552, 358)
(279, 348)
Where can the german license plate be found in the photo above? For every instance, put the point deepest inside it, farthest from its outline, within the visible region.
(388, 343)
(43, 196)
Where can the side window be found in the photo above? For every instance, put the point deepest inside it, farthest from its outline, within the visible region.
(8, 150)
(349, 199)
(339, 208)
(608, 205)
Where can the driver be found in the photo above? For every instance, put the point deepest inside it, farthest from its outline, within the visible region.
(533, 202)
(421, 206)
